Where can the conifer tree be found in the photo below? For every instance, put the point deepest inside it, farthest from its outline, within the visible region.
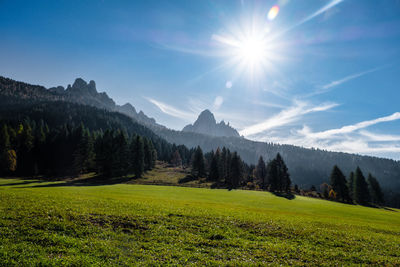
(148, 154)
(104, 154)
(153, 155)
(137, 156)
(198, 165)
(272, 176)
(261, 172)
(339, 184)
(283, 174)
(375, 190)
(121, 155)
(223, 164)
(277, 175)
(236, 171)
(361, 191)
(39, 149)
(24, 153)
(214, 167)
(350, 186)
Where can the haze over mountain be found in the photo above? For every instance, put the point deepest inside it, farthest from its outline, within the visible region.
(206, 124)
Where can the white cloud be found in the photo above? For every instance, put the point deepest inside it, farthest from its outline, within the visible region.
(320, 11)
(380, 137)
(285, 117)
(268, 104)
(350, 138)
(348, 128)
(172, 111)
(348, 78)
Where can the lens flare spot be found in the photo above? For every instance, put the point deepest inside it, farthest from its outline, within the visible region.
(273, 12)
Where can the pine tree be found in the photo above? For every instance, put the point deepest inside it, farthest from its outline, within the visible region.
(153, 158)
(361, 191)
(148, 154)
(24, 154)
(214, 167)
(236, 171)
(105, 154)
(39, 149)
(223, 164)
(121, 156)
(339, 184)
(350, 185)
(375, 190)
(272, 176)
(261, 172)
(198, 165)
(283, 174)
(137, 156)
(278, 178)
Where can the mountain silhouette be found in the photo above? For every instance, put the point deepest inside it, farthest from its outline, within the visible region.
(206, 124)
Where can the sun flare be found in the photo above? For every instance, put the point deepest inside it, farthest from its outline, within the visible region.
(249, 46)
(252, 50)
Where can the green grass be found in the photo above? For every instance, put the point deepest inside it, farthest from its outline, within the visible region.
(49, 223)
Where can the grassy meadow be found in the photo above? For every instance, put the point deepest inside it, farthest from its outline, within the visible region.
(55, 223)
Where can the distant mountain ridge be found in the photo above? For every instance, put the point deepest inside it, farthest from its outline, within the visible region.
(206, 124)
(80, 92)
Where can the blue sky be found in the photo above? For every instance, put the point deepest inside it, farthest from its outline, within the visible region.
(319, 73)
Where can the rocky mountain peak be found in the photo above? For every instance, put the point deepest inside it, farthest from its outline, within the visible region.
(79, 84)
(92, 86)
(206, 124)
(205, 117)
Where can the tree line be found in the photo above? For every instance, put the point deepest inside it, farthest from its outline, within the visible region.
(356, 189)
(40, 150)
(227, 169)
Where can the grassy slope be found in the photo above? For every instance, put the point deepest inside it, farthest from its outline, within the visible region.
(48, 223)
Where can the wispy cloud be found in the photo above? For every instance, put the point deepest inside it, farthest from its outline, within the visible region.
(348, 128)
(350, 138)
(172, 111)
(348, 78)
(358, 142)
(268, 104)
(285, 117)
(380, 137)
(320, 11)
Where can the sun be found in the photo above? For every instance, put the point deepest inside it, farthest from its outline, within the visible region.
(252, 50)
(249, 48)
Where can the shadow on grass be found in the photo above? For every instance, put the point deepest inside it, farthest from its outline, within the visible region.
(24, 182)
(289, 196)
(92, 181)
(389, 209)
(186, 179)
